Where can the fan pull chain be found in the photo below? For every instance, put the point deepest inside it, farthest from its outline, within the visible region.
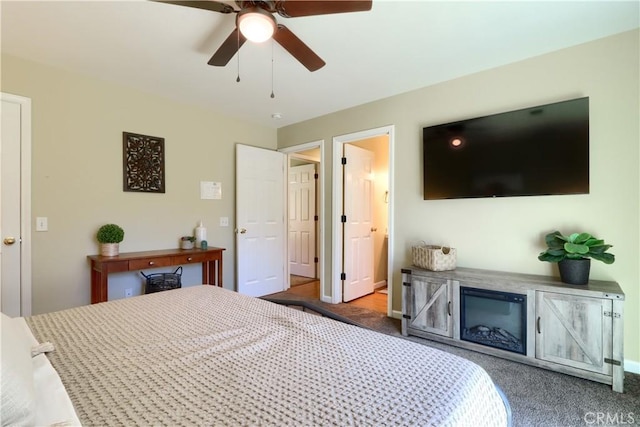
(238, 53)
(272, 94)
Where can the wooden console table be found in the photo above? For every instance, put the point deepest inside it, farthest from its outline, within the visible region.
(101, 266)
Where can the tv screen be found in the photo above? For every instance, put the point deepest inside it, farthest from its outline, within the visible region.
(542, 150)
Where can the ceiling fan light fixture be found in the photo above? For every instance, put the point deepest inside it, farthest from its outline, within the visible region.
(256, 25)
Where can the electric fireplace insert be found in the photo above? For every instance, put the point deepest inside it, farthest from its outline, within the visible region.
(494, 318)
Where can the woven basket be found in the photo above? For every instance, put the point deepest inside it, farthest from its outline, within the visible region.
(435, 258)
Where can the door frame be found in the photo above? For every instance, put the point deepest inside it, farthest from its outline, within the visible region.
(337, 195)
(289, 151)
(25, 199)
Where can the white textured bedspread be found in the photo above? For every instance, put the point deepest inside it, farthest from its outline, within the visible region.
(208, 356)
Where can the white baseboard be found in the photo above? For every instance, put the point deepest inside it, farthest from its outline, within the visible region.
(632, 366)
(380, 284)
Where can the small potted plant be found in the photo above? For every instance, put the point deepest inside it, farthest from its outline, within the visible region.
(573, 254)
(187, 242)
(109, 236)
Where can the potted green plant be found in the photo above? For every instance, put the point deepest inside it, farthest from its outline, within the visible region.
(573, 254)
(109, 236)
(187, 242)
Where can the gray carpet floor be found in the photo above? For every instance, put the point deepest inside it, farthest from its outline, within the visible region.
(537, 397)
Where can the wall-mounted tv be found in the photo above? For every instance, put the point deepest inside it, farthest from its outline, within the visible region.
(542, 150)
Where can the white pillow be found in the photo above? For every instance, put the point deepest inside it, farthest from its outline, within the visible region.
(17, 390)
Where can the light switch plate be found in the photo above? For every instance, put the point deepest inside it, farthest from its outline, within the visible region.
(42, 223)
(224, 221)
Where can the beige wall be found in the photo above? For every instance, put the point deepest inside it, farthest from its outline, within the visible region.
(77, 177)
(507, 233)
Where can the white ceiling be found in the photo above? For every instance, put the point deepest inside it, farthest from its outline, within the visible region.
(396, 47)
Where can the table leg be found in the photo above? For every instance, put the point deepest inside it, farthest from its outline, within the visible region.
(212, 272)
(99, 286)
(209, 276)
(206, 275)
(95, 286)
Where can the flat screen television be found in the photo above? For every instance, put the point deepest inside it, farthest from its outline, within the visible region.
(542, 150)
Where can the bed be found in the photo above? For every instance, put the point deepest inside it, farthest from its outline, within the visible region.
(204, 355)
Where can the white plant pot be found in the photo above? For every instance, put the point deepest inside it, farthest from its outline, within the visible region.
(186, 244)
(109, 249)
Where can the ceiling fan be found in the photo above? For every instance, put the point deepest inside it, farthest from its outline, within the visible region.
(255, 21)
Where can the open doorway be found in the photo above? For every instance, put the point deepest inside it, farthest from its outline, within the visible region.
(329, 286)
(305, 208)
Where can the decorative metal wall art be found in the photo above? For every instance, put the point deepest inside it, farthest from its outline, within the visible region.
(142, 163)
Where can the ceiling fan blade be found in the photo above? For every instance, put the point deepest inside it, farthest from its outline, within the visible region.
(213, 6)
(296, 8)
(297, 48)
(228, 48)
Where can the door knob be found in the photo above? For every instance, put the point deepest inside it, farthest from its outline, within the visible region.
(9, 240)
(241, 231)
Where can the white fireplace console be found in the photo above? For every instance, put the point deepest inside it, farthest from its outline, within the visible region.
(576, 330)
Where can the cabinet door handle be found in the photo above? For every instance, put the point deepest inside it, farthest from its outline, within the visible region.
(538, 324)
(151, 262)
(449, 308)
(189, 259)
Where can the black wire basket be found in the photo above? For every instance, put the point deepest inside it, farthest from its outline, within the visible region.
(158, 282)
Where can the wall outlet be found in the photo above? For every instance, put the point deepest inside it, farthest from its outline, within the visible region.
(128, 293)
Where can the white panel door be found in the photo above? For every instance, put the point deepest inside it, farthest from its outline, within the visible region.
(302, 208)
(10, 253)
(260, 233)
(358, 209)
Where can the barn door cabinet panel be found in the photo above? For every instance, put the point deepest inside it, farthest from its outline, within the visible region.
(429, 305)
(576, 330)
